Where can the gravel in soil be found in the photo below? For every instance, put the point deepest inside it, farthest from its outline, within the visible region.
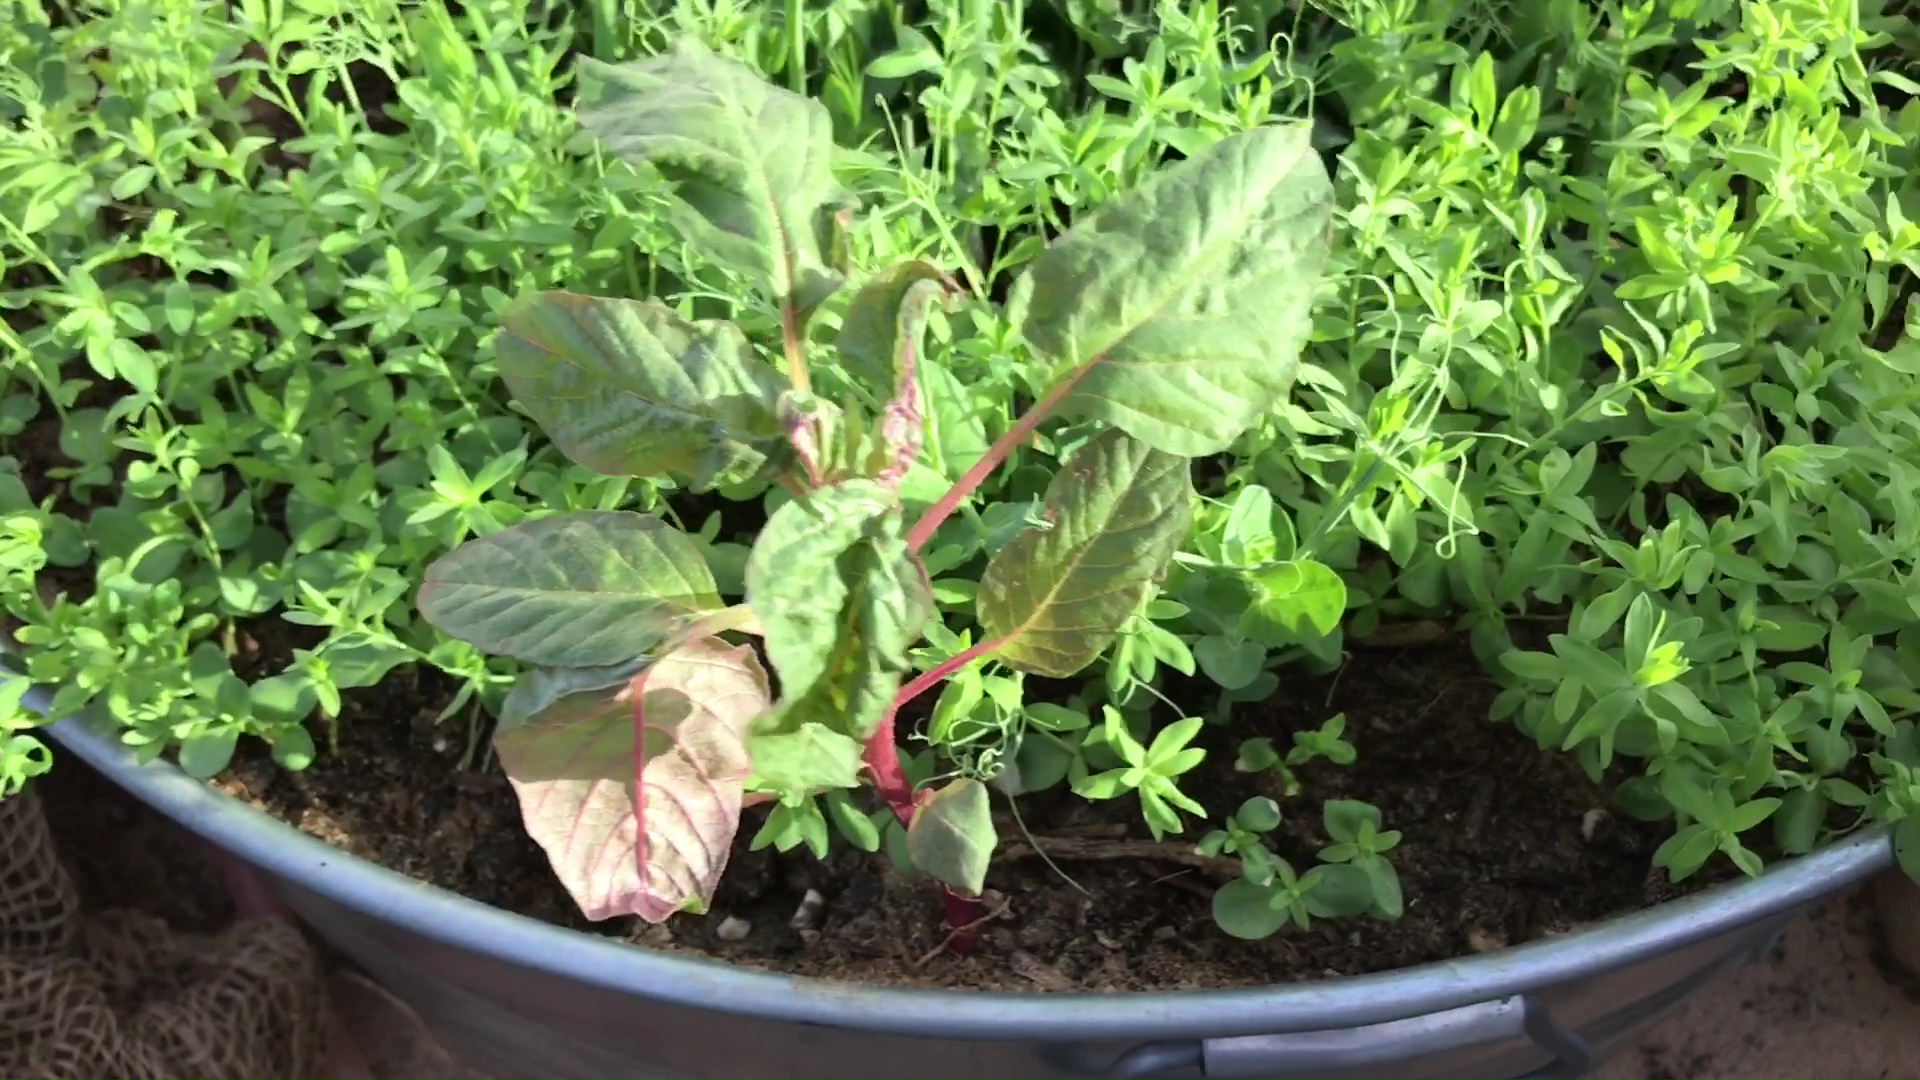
(1503, 843)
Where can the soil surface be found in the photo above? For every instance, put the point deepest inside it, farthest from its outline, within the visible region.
(1503, 843)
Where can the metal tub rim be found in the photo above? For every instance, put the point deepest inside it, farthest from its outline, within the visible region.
(283, 852)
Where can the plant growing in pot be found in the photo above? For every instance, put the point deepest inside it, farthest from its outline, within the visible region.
(1164, 325)
(1629, 416)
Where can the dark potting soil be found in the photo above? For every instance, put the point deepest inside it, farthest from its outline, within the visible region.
(1502, 843)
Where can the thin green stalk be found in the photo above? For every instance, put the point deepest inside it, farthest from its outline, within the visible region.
(796, 47)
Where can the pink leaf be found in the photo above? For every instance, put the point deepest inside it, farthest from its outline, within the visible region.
(679, 728)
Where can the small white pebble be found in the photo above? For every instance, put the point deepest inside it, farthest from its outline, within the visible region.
(809, 910)
(733, 929)
(440, 744)
(1590, 821)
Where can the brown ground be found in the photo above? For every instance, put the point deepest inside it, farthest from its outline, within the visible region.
(1495, 849)
(1820, 1004)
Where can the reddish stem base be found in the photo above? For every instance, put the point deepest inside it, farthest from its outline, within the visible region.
(883, 762)
(963, 915)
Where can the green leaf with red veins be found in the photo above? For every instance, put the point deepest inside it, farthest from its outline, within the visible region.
(574, 590)
(751, 162)
(1177, 311)
(678, 727)
(632, 388)
(952, 835)
(1056, 596)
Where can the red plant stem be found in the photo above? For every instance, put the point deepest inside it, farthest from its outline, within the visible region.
(996, 454)
(883, 756)
(889, 779)
(638, 689)
(932, 677)
(963, 916)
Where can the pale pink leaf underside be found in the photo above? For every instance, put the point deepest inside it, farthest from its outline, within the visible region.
(573, 766)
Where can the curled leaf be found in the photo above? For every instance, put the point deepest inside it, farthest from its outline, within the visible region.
(634, 789)
(881, 317)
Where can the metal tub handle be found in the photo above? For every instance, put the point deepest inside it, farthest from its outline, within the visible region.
(1365, 1051)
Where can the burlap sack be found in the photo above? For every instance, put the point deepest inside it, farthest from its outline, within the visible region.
(120, 994)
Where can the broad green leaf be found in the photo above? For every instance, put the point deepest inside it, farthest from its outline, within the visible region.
(1343, 891)
(1538, 666)
(1177, 310)
(861, 830)
(813, 556)
(1750, 814)
(1056, 718)
(951, 837)
(207, 755)
(1248, 538)
(1344, 818)
(632, 388)
(956, 432)
(912, 54)
(584, 589)
(1056, 596)
(1599, 671)
(539, 688)
(808, 757)
(840, 602)
(751, 161)
(1389, 902)
(678, 727)
(1304, 598)
(1600, 720)
(1230, 664)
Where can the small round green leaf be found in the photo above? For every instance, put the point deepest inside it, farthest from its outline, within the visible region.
(1342, 890)
(1247, 911)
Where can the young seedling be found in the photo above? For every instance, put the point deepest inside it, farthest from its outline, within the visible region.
(1357, 878)
(1245, 836)
(1152, 772)
(1171, 317)
(1354, 877)
(1326, 741)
